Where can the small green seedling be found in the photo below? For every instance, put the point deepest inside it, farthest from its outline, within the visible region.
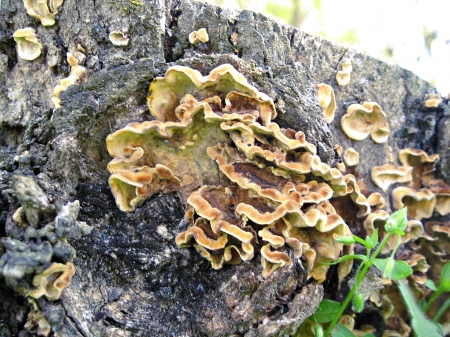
(331, 311)
(444, 286)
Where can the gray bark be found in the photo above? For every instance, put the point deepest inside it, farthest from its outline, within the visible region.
(131, 278)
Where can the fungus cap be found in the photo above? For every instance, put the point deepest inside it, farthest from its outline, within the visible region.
(39, 10)
(28, 46)
(362, 120)
(197, 36)
(351, 157)
(432, 100)
(343, 77)
(420, 203)
(384, 176)
(327, 102)
(119, 38)
(442, 192)
(78, 75)
(52, 281)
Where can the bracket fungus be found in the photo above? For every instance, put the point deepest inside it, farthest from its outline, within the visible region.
(28, 46)
(78, 75)
(119, 38)
(420, 161)
(420, 203)
(249, 186)
(51, 282)
(327, 102)
(39, 10)
(351, 157)
(197, 36)
(343, 77)
(384, 176)
(442, 192)
(362, 120)
(432, 100)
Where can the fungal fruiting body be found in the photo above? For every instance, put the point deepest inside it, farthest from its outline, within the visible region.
(327, 101)
(361, 121)
(77, 75)
(40, 10)
(249, 186)
(343, 77)
(119, 38)
(28, 46)
(197, 36)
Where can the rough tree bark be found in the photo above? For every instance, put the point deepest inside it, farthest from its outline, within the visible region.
(131, 278)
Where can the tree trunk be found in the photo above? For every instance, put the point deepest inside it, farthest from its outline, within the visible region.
(131, 278)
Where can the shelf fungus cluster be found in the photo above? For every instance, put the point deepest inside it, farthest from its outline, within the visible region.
(249, 186)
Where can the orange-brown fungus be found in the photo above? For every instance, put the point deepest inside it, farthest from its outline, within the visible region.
(420, 161)
(249, 186)
(51, 282)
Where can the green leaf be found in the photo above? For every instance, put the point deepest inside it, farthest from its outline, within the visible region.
(346, 258)
(346, 240)
(397, 220)
(326, 311)
(361, 241)
(430, 284)
(374, 239)
(400, 269)
(444, 281)
(422, 304)
(421, 325)
(368, 241)
(341, 331)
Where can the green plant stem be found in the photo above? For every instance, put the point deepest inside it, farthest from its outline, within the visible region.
(432, 299)
(367, 264)
(442, 310)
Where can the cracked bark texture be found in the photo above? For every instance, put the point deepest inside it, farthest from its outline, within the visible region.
(131, 278)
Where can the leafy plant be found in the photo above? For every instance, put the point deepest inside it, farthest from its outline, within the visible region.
(444, 286)
(331, 311)
(421, 325)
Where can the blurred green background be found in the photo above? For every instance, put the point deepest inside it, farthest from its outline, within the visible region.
(415, 34)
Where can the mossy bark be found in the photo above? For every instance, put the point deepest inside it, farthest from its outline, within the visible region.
(131, 279)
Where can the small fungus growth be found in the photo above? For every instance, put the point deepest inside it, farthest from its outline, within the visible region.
(327, 102)
(197, 36)
(343, 77)
(361, 121)
(36, 322)
(351, 157)
(52, 281)
(432, 100)
(249, 186)
(78, 75)
(119, 38)
(39, 9)
(28, 46)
